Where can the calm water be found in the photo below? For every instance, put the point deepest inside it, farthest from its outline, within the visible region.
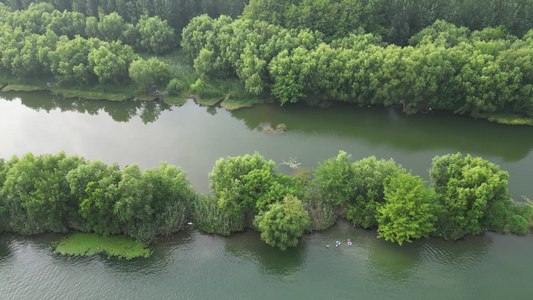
(192, 265)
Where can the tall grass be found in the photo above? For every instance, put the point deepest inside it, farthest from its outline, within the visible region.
(208, 216)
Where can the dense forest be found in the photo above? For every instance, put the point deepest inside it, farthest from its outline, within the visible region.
(458, 55)
(462, 55)
(59, 193)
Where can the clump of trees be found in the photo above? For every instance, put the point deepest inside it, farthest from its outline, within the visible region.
(59, 193)
(395, 20)
(444, 66)
(73, 50)
(466, 196)
(177, 13)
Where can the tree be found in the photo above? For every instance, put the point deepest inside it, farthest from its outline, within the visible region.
(111, 27)
(133, 208)
(409, 211)
(369, 180)
(473, 193)
(95, 186)
(172, 197)
(245, 185)
(283, 223)
(334, 179)
(155, 35)
(69, 61)
(146, 73)
(111, 61)
(36, 194)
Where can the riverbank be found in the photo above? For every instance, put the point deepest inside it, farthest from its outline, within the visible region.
(116, 94)
(88, 244)
(231, 101)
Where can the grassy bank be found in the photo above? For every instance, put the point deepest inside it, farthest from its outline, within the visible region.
(502, 118)
(87, 244)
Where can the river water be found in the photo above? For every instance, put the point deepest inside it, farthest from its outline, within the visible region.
(193, 265)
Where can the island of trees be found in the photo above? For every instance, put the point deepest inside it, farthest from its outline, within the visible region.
(465, 56)
(60, 193)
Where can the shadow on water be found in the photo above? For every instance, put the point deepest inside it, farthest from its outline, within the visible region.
(377, 126)
(390, 127)
(393, 260)
(120, 111)
(5, 251)
(402, 262)
(273, 261)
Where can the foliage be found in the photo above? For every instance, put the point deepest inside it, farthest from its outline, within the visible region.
(473, 194)
(409, 211)
(283, 223)
(369, 180)
(245, 185)
(155, 35)
(95, 185)
(322, 214)
(396, 20)
(209, 217)
(154, 202)
(111, 61)
(334, 179)
(146, 73)
(88, 244)
(36, 195)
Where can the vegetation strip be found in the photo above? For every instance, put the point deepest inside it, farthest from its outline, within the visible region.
(87, 244)
(319, 51)
(59, 193)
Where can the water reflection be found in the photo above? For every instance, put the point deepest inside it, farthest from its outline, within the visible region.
(212, 110)
(466, 254)
(120, 111)
(389, 126)
(273, 261)
(399, 262)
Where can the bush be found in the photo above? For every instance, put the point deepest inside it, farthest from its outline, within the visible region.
(209, 217)
(282, 224)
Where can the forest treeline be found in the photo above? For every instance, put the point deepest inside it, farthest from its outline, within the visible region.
(69, 49)
(362, 51)
(395, 20)
(177, 13)
(445, 67)
(60, 193)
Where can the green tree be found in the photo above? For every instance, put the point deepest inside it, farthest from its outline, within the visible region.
(171, 198)
(111, 27)
(69, 62)
(155, 35)
(283, 223)
(111, 61)
(473, 193)
(133, 208)
(95, 186)
(334, 179)
(410, 209)
(245, 185)
(369, 180)
(36, 194)
(146, 73)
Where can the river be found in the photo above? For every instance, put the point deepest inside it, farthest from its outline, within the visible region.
(193, 265)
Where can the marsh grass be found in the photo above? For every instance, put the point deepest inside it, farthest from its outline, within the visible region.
(503, 118)
(87, 244)
(209, 217)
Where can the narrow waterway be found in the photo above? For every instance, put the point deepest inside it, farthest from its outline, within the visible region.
(193, 265)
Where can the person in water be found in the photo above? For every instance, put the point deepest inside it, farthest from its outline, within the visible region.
(349, 242)
(327, 245)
